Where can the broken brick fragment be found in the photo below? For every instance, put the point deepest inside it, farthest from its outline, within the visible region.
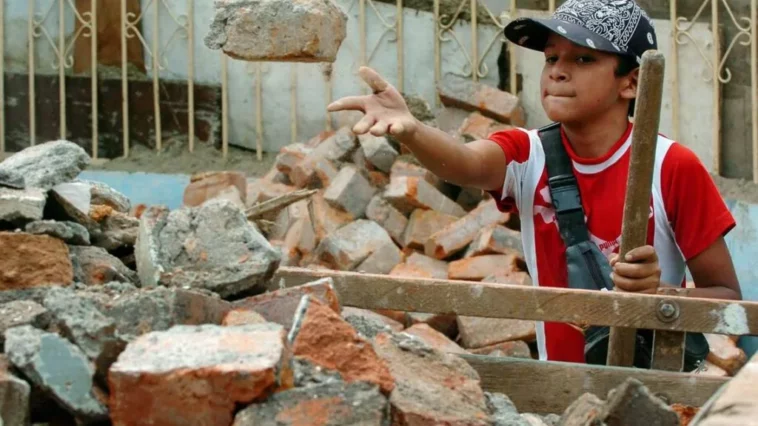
(209, 185)
(350, 191)
(28, 261)
(422, 224)
(512, 349)
(463, 93)
(391, 219)
(434, 338)
(322, 337)
(410, 193)
(480, 267)
(495, 239)
(476, 126)
(460, 234)
(479, 332)
(345, 248)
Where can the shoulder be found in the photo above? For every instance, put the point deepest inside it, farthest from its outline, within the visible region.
(678, 160)
(517, 143)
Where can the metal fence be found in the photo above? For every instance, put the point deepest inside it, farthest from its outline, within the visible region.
(445, 32)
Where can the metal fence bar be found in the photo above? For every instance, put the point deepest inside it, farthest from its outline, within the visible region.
(156, 79)
(2, 77)
(62, 67)
(94, 78)
(551, 5)
(400, 46)
(754, 81)
(437, 49)
(474, 42)
(716, 135)
(674, 70)
(32, 70)
(293, 102)
(259, 110)
(512, 57)
(124, 81)
(191, 74)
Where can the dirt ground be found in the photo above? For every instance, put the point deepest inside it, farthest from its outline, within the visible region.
(176, 159)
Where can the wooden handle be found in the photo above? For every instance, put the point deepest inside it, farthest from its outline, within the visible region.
(647, 116)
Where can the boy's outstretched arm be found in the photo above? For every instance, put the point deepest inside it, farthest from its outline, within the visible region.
(479, 164)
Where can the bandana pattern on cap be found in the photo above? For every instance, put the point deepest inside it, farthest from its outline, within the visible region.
(615, 21)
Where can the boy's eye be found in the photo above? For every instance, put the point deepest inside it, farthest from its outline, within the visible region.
(585, 59)
(551, 59)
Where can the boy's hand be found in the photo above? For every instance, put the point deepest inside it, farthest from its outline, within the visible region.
(385, 110)
(639, 272)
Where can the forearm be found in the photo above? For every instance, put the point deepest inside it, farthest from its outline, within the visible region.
(716, 292)
(444, 156)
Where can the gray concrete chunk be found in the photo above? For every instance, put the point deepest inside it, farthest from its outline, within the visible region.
(378, 151)
(69, 232)
(14, 397)
(22, 312)
(350, 191)
(212, 247)
(105, 195)
(48, 164)
(347, 247)
(95, 266)
(21, 205)
(58, 367)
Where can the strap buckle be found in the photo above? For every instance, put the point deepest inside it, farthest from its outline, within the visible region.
(565, 194)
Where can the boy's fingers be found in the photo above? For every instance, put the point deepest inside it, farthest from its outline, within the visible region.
(634, 286)
(363, 125)
(641, 254)
(355, 103)
(635, 270)
(380, 128)
(373, 79)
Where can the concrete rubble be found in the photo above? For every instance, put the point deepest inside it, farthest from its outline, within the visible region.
(158, 316)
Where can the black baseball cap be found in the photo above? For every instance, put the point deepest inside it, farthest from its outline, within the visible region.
(615, 26)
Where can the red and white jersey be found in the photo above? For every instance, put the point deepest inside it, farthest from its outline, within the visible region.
(687, 214)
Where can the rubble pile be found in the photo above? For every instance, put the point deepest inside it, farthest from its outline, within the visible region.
(118, 314)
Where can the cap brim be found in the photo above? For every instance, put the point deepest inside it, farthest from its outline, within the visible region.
(533, 33)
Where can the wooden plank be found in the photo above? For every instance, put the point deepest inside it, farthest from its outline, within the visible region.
(550, 387)
(734, 404)
(668, 350)
(372, 291)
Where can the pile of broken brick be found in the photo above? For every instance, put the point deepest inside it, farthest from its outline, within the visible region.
(113, 313)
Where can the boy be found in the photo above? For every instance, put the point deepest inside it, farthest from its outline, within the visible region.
(592, 51)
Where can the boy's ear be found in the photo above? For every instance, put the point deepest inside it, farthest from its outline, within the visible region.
(628, 88)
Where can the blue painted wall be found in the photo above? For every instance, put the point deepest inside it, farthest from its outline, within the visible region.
(162, 189)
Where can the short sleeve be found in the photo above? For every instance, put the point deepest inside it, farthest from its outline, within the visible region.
(694, 206)
(515, 144)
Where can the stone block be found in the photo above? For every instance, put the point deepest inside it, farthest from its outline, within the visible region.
(478, 332)
(212, 247)
(11, 179)
(477, 126)
(358, 158)
(725, 354)
(411, 193)
(290, 155)
(33, 261)
(68, 380)
(480, 267)
(369, 323)
(47, 164)
(433, 387)
(321, 336)
(325, 218)
(350, 191)
(22, 312)
(105, 195)
(196, 375)
(504, 412)
(446, 324)
(637, 406)
(262, 30)
(390, 218)
(81, 321)
(280, 306)
(335, 403)
(460, 234)
(19, 206)
(144, 311)
(513, 278)
(434, 338)
(209, 185)
(422, 224)
(69, 232)
(117, 230)
(513, 349)
(460, 92)
(337, 147)
(301, 237)
(382, 260)
(95, 266)
(495, 239)
(14, 397)
(423, 266)
(350, 245)
(378, 151)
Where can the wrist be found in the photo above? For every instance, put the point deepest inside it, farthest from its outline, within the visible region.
(413, 133)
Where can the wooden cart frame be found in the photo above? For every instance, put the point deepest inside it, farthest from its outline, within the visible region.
(547, 386)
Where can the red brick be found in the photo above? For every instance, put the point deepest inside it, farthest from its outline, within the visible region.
(381, 212)
(480, 267)
(435, 339)
(422, 224)
(410, 193)
(206, 186)
(446, 324)
(378, 179)
(321, 336)
(316, 140)
(372, 316)
(436, 268)
(326, 172)
(725, 354)
(514, 349)
(433, 387)
(28, 261)
(290, 155)
(476, 332)
(290, 256)
(399, 316)
(378, 151)
(350, 191)
(458, 235)
(196, 375)
(301, 237)
(325, 218)
(350, 245)
(407, 167)
(287, 218)
(242, 317)
(280, 306)
(477, 126)
(269, 191)
(275, 176)
(463, 93)
(513, 278)
(410, 271)
(495, 239)
(382, 260)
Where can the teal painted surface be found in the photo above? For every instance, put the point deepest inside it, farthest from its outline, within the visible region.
(161, 189)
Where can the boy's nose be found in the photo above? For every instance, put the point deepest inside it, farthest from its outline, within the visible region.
(558, 72)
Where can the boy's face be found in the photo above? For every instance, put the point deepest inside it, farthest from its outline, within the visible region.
(580, 84)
